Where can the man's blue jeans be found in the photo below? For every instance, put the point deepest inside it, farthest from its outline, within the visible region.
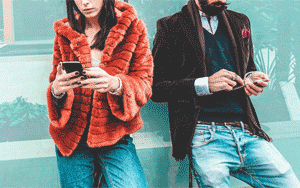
(221, 151)
(120, 166)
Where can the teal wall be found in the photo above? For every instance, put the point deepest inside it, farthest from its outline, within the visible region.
(25, 144)
(33, 20)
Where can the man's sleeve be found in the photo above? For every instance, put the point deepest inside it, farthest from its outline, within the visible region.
(201, 86)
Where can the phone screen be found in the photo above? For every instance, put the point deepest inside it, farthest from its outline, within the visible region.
(72, 66)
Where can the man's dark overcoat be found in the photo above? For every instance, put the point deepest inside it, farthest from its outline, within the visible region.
(178, 51)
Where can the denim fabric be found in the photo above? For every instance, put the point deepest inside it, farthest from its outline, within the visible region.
(119, 166)
(221, 151)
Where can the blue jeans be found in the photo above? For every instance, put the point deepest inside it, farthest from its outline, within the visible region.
(221, 151)
(119, 166)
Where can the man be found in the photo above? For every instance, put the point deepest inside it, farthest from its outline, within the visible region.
(201, 56)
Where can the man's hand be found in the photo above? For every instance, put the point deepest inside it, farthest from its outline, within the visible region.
(261, 81)
(223, 80)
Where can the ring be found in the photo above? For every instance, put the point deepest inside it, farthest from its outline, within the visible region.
(234, 76)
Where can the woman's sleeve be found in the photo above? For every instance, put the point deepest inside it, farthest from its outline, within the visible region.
(137, 84)
(58, 116)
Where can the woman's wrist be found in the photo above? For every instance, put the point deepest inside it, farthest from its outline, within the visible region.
(58, 96)
(117, 91)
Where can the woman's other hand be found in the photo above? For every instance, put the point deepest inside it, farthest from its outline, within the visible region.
(100, 81)
(65, 81)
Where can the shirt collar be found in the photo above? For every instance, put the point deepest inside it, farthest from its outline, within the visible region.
(212, 18)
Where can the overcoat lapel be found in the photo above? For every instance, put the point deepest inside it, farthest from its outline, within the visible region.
(194, 14)
(232, 35)
(194, 31)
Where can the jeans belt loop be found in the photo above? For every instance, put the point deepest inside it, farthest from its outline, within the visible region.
(213, 126)
(228, 126)
(242, 125)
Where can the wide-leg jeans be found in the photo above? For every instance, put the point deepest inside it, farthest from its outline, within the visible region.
(119, 166)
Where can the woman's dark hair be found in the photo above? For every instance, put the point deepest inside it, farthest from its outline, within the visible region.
(107, 19)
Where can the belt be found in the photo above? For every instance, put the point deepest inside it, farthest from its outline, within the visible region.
(233, 124)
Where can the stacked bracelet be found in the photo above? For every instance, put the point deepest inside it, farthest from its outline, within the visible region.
(57, 96)
(117, 91)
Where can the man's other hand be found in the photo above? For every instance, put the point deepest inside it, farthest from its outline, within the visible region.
(223, 80)
(261, 81)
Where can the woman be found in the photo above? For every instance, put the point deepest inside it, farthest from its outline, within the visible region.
(92, 119)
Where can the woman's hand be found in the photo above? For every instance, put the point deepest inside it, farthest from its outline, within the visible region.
(100, 81)
(65, 81)
(261, 81)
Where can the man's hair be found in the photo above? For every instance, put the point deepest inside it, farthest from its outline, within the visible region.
(107, 19)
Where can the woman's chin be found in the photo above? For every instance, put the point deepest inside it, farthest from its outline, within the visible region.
(91, 15)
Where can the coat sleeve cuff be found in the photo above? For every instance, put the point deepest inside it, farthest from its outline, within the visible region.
(125, 106)
(59, 118)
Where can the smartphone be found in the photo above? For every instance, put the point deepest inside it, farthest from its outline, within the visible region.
(72, 66)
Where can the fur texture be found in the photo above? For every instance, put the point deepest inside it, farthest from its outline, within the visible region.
(126, 55)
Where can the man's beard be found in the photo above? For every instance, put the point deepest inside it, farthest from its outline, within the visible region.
(211, 9)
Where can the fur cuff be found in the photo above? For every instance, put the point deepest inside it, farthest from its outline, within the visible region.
(59, 119)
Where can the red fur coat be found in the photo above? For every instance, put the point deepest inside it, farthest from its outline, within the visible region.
(126, 55)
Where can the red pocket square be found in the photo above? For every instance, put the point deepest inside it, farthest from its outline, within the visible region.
(245, 33)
